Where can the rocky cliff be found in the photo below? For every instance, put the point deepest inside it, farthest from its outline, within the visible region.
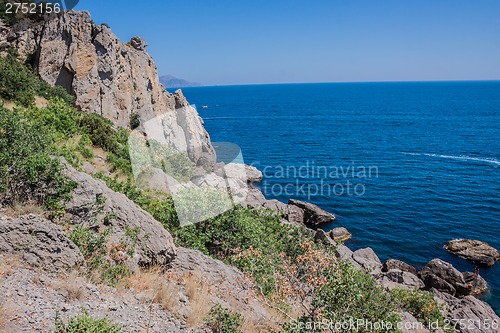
(116, 80)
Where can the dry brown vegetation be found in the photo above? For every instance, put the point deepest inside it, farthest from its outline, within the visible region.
(8, 264)
(19, 209)
(72, 285)
(167, 289)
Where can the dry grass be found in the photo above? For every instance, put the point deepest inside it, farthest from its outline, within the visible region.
(164, 288)
(198, 292)
(73, 285)
(167, 289)
(8, 264)
(19, 209)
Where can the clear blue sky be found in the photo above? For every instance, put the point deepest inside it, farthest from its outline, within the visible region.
(273, 41)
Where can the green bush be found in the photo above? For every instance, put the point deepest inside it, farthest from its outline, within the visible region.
(222, 320)
(92, 244)
(17, 82)
(28, 170)
(101, 131)
(421, 304)
(84, 323)
(350, 295)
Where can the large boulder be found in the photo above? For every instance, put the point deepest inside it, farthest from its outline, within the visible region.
(444, 277)
(313, 215)
(480, 253)
(340, 234)
(468, 314)
(40, 243)
(398, 278)
(368, 260)
(93, 204)
(398, 264)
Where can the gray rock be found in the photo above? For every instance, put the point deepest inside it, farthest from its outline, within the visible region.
(324, 237)
(468, 313)
(228, 284)
(410, 324)
(138, 43)
(404, 278)
(41, 244)
(345, 254)
(368, 260)
(313, 215)
(340, 234)
(154, 244)
(443, 276)
(476, 251)
(398, 264)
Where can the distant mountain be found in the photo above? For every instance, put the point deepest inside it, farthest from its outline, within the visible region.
(170, 81)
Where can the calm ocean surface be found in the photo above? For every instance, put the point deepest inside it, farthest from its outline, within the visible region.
(433, 150)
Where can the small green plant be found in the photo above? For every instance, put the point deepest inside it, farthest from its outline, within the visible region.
(92, 244)
(222, 320)
(132, 235)
(84, 323)
(135, 121)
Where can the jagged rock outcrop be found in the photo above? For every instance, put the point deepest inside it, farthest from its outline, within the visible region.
(313, 215)
(398, 264)
(368, 260)
(108, 77)
(398, 278)
(40, 243)
(94, 204)
(468, 314)
(440, 275)
(480, 253)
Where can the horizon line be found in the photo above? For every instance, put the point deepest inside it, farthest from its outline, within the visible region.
(330, 82)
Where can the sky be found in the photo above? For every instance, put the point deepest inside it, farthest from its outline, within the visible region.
(219, 42)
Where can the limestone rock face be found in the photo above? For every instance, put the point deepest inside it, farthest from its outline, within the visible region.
(108, 77)
(40, 243)
(480, 253)
(154, 245)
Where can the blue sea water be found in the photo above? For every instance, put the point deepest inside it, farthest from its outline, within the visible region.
(433, 149)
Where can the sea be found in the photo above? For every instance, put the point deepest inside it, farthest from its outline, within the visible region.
(405, 166)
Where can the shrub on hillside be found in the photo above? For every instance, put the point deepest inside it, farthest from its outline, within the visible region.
(28, 171)
(222, 320)
(84, 323)
(19, 83)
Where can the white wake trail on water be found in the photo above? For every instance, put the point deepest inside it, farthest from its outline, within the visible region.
(461, 157)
